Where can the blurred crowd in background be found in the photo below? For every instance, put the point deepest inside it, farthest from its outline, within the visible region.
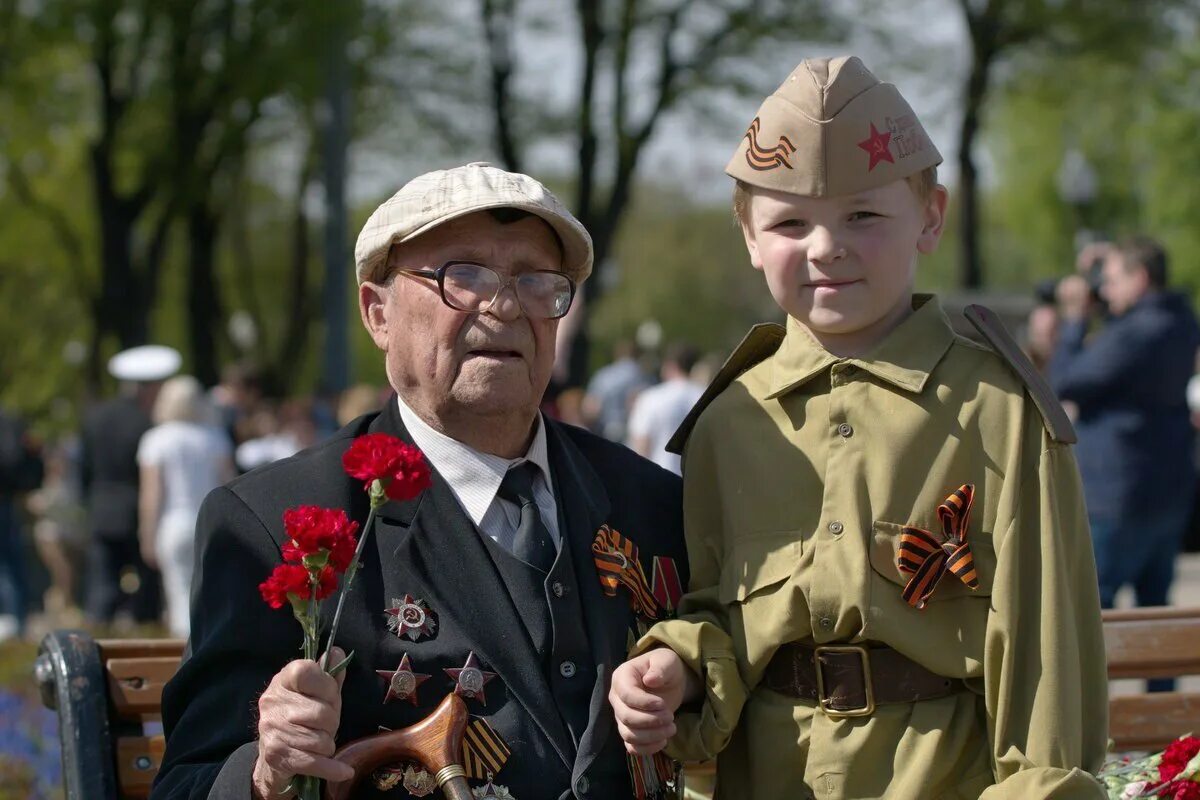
(97, 528)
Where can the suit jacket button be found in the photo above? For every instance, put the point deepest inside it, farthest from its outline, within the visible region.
(558, 589)
(582, 785)
(567, 669)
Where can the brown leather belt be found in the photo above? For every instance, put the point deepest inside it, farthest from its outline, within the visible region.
(849, 680)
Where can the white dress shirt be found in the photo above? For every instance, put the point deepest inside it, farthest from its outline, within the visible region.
(475, 477)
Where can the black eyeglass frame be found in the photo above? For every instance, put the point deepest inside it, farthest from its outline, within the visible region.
(439, 275)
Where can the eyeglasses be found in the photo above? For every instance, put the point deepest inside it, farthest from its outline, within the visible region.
(474, 288)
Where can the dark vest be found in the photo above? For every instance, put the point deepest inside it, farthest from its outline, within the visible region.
(553, 618)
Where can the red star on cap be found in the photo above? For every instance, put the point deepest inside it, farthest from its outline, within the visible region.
(877, 145)
(469, 679)
(402, 681)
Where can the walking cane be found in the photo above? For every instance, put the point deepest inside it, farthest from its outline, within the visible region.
(435, 743)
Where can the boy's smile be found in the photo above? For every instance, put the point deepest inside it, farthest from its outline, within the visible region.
(843, 266)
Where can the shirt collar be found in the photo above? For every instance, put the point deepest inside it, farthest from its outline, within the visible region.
(905, 358)
(473, 476)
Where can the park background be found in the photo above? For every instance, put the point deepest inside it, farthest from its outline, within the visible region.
(194, 172)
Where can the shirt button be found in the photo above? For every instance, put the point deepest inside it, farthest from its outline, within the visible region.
(836, 527)
(567, 669)
(826, 623)
(558, 589)
(846, 430)
(582, 785)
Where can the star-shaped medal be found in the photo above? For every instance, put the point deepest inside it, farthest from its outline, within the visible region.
(402, 682)
(411, 618)
(469, 679)
(877, 146)
(492, 792)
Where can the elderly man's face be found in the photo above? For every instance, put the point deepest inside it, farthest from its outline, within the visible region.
(446, 362)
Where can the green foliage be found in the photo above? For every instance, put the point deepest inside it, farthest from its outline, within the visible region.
(686, 268)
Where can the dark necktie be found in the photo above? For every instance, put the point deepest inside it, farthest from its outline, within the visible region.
(533, 543)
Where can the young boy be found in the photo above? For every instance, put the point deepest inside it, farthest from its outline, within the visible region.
(892, 591)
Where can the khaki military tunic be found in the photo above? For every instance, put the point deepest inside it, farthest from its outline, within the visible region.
(798, 479)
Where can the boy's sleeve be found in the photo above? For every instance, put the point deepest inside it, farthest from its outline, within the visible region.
(700, 634)
(1045, 676)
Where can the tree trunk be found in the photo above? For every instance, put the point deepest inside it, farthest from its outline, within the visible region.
(123, 307)
(203, 300)
(970, 244)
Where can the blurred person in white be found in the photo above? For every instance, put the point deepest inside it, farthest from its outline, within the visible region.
(659, 411)
(278, 433)
(181, 459)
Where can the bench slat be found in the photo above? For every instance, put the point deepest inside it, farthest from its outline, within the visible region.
(1151, 721)
(135, 685)
(1154, 647)
(138, 760)
(140, 648)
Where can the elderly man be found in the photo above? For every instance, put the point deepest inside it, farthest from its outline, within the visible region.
(1129, 382)
(463, 277)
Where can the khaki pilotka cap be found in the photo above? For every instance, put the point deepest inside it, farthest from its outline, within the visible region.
(832, 129)
(436, 197)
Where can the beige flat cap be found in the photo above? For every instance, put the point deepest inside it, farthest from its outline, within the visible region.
(433, 198)
(832, 129)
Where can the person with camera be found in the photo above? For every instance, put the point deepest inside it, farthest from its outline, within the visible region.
(1128, 381)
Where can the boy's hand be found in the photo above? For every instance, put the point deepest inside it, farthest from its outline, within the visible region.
(645, 693)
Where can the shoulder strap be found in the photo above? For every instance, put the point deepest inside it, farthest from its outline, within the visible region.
(762, 340)
(1053, 415)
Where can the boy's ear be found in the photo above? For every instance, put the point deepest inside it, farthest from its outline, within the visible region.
(935, 220)
(372, 307)
(748, 233)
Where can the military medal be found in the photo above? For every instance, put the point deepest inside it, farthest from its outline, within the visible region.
(387, 778)
(491, 791)
(411, 618)
(402, 682)
(665, 585)
(469, 679)
(418, 782)
(483, 751)
(616, 559)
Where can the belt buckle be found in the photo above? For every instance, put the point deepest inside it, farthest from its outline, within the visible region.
(868, 690)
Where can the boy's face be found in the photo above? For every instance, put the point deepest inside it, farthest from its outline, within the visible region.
(843, 266)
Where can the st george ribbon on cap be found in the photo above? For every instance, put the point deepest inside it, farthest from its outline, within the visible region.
(831, 129)
(150, 362)
(443, 195)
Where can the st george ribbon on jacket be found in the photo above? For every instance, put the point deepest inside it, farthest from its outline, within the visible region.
(532, 543)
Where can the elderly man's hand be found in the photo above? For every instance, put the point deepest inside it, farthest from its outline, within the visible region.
(645, 693)
(298, 716)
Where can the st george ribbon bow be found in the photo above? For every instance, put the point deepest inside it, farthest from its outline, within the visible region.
(928, 559)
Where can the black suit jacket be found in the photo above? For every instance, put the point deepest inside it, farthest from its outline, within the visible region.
(111, 432)
(428, 548)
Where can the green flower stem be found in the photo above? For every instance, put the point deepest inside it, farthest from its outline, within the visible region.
(351, 570)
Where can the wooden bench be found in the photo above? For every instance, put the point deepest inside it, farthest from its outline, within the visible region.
(1152, 643)
(108, 694)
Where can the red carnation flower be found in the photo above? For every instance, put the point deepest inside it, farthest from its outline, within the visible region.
(285, 579)
(1176, 757)
(400, 467)
(312, 529)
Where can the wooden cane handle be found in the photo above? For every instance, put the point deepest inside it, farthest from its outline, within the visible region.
(435, 743)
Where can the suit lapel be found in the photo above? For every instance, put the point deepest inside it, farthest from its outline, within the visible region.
(586, 505)
(433, 539)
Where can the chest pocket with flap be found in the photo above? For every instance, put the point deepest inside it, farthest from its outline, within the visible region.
(757, 562)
